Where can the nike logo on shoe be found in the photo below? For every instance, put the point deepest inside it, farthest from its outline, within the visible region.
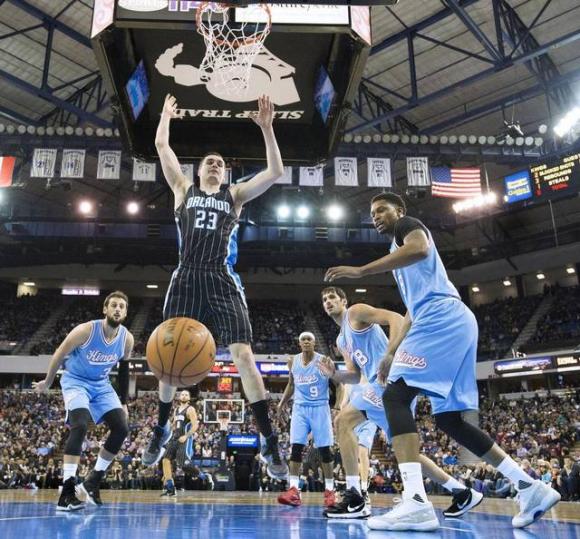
(354, 509)
(464, 504)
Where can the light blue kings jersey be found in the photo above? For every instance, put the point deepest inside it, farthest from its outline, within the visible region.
(311, 387)
(423, 281)
(94, 360)
(366, 347)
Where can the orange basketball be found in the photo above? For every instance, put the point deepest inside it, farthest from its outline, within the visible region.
(181, 351)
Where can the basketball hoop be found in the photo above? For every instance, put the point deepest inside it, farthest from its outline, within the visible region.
(223, 418)
(230, 47)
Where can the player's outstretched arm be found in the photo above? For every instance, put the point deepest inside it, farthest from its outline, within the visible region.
(395, 340)
(367, 315)
(74, 339)
(169, 162)
(350, 376)
(261, 182)
(415, 248)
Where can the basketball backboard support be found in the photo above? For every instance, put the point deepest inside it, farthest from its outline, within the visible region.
(310, 66)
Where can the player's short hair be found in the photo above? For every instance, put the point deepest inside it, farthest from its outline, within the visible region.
(208, 154)
(116, 294)
(338, 291)
(391, 198)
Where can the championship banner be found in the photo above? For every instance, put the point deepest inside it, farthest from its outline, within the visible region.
(43, 163)
(312, 176)
(346, 171)
(286, 178)
(187, 170)
(109, 165)
(379, 172)
(142, 171)
(418, 172)
(73, 164)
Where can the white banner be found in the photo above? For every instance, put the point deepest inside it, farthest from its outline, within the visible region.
(109, 165)
(312, 176)
(43, 163)
(418, 172)
(379, 172)
(187, 170)
(286, 178)
(73, 164)
(346, 171)
(143, 172)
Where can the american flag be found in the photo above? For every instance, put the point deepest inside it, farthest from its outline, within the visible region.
(455, 182)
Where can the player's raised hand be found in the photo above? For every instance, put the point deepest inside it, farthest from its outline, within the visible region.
(265, 115)
(339, 272)
(327, 367)
(40, 387)
(170, 108)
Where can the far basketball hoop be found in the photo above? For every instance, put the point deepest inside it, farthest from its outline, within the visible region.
(230, 47)
(223, 418)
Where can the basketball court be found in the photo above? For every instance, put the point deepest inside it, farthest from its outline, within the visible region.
(231, 515)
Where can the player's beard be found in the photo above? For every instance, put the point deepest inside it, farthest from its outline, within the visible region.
(114, 323)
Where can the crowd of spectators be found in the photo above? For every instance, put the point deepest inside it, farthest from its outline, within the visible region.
(560, 326)
(540, 433)
(500, 323)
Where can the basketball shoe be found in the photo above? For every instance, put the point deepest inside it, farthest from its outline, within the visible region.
(462, 502)
(407, 514)
(352, 505)
(169, 489)
(534, 501)
(270, 455)
(156, 448)
(290, 497)
(68, 500)
(90, 487)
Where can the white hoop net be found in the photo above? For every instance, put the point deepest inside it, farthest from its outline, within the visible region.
(230, 47)
(223, 418)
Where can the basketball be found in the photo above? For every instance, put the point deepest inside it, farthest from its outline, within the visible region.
(181, 351)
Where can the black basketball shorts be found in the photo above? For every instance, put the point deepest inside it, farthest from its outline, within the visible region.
(214, 298)
(176, 452)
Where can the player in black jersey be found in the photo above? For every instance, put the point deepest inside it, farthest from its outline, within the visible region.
(204, 285)
(184, 426)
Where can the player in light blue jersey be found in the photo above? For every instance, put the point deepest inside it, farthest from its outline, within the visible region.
(435, 354)
(310, 414)
(87, 355)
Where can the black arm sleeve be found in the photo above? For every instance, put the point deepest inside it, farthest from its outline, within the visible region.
(405, 225)
(123, 381)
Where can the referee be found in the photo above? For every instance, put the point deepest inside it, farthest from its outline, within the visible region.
(204, 285)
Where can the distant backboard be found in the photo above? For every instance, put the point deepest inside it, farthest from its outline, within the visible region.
(310, 67)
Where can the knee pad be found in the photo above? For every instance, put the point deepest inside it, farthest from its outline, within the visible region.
(468, 435)
(296, 453)
(325, 454)
(78, 421)
(116, 420)
(397, 400)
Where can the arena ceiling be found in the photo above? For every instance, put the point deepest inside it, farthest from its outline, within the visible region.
(450, 67)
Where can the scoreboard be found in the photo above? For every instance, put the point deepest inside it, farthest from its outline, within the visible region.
(556, 177)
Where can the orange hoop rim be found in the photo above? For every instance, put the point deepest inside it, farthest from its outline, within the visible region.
(234, 45)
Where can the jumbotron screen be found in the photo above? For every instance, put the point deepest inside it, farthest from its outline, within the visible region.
(556, 178)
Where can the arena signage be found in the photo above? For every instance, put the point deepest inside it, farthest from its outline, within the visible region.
(532, 365)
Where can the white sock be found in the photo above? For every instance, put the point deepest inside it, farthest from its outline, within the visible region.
(413, 486)
(294, 481)
(69, 470)
(453, 485)
(510, 468)
(353, 481)
(329, 484)
(102, 464)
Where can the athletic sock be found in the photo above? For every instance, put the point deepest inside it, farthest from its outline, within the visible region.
(453, 486)
(260, 410)
(102, 464)
(353, 481)
(294, 481)
(69, 470)
(413, 487)
(329, 484)
(164, 412)
(510, 468)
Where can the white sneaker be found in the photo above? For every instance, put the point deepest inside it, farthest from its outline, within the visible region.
(408, 514)
(534, 502)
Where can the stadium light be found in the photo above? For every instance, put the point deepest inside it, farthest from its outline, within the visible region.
(540, 276)
(475, 289)
(479, 202)
(334, 212)
(507, 282)
(567, 123)
(152, 286)
(347, 138)
(86, 207)
(360, 290)
(29, 283)
(570, 270)
(283, 211)
(302, 212)
(132, 208)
